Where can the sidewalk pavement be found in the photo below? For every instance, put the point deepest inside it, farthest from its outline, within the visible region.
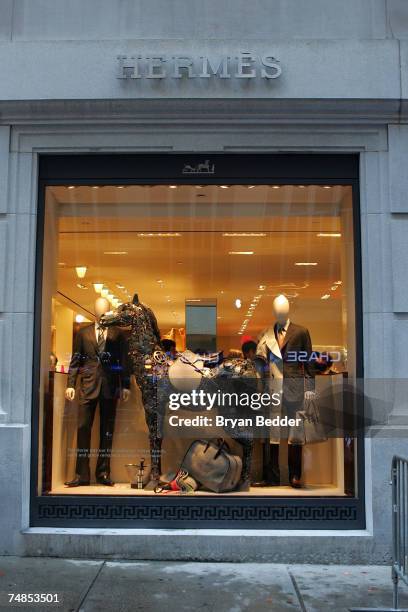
(90, 586)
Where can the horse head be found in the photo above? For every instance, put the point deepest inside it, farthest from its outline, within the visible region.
(121, 316)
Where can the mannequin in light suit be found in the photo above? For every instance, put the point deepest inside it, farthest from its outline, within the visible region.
(281, 357)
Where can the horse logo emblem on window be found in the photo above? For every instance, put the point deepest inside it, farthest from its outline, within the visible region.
(202, 168)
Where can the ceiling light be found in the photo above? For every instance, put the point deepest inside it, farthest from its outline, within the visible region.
(159, 281)
(172, 186)
(95, 186)
(71, 187)
(120, 187)
(261, 288)
(250, 186)
(199, 186)
(98, 287)
(80, 286)
(240, 253)
(329, 235)
(120, 286)
(334, 288)
(244, 234)
(326, 296)
(338, 283)
(326, 186)
(306, 263)
(159, 234)
(62, 264)
(276, 186)
(224, 186)
(301, 186)
(79, 318)
(238, 303)
(115, 252)
(81, 271)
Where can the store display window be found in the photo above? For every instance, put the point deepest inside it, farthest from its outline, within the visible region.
(152, 291)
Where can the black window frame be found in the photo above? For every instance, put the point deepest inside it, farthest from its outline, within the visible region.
(235, 512)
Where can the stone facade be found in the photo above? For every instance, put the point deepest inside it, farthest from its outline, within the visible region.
(343, 88)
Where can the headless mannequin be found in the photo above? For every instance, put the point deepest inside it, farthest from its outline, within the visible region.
(277, 338)
(99, 388)
(101, 307)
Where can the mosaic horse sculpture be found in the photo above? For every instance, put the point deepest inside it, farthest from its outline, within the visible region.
(154, 372)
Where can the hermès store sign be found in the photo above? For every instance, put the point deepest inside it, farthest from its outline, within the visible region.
(158, 66)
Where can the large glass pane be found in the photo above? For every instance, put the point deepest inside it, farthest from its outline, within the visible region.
(209, 261)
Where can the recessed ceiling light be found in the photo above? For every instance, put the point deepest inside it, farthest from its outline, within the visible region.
(262, 288)
(120, 187)
(276, 186)
(81, 271)
(301, 186)
(159, 280)
(95, 186)
(159, 234)
(71, 187)
(306, 263)
(326, 186)
(80, 286)
(326, 296)
(115, 252)
(329, 235)
(172, 186)
(240, 253)
(224, 186)
(334, 288)
(238, 303)
(244, 234)
(199, 186)
(62, 264)
(250, 186)
(338, 283)
(120, 286)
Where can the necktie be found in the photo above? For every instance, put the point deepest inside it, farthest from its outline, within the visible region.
(101, 339)
(281, 336)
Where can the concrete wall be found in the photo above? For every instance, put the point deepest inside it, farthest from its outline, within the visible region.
(59, 94)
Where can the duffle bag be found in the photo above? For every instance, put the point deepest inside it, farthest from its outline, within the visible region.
(212, 464)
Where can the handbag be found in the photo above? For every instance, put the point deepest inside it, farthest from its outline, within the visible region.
(311, 430)
(212, 464)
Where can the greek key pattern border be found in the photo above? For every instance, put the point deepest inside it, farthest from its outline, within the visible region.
(114, 512)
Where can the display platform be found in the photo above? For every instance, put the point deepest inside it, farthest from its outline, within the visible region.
(282, 491)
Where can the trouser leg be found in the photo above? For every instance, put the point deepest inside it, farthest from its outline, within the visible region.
(295, 461)
(272, 471)
(107, 410)
(86, 414)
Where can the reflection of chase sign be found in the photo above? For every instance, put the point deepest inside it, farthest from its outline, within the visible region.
(201, 168)
(158, 66)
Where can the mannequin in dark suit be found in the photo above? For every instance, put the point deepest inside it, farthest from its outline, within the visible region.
(99, 358)
(284, 352)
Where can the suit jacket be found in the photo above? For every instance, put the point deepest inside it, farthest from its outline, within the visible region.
(100, 372)
(291, 362)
